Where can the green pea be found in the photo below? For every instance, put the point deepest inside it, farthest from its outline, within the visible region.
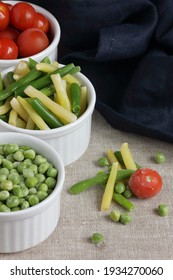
(32, 191)
(50, 182)
(1, 158)
(120, 187)
(39, 159)
(43, 167)
(127, 193)
(14, 178)
(1, 150)
(21, 166)
(4, 208)
(31, 182)
(24, 190)
(19, 156)
(34, 168)
(25, 147)
(13, 170)
(30, 154)
(27, 173)
(4, 195)
(42, 195)
(163, 210)
(115, 215)
(3, 177)
(7, 164)
(6, 185)
(10, 148)
(43, 187)
(52, 172)
(10, 158)
(4, 171)
(28, 162)
(25, 205)
(17, 208)
(12, 201)
(159, 158)
(17, 191)
(41, 177)
(97, 238)
(33, 199)
(103, 161)
(125, 218)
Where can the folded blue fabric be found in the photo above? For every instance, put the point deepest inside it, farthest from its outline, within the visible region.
(125, 47)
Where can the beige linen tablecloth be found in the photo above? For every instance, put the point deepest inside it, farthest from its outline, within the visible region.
(148, 236)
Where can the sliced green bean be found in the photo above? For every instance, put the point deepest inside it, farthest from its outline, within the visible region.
(75, 98)
(124, 202)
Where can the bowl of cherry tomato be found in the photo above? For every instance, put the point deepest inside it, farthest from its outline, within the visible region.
(26, 30)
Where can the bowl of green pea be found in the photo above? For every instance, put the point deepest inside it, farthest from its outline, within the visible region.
(31, 181)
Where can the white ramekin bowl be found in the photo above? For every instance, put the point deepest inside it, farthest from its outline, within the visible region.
(72, 140)
(51, 51)
(24, 229)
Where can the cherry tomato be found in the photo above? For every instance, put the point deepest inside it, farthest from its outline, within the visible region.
(31, 41)
(145, 183)
(41, 22)
(8, 49)
(9, 6)
(10, 33)
(4, 16)
(22, 15)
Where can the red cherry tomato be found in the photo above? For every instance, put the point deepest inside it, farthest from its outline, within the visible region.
(10, 33)
(8, 49)
(145, 183)
(9, 6)
(31, 41)
(4, 16)
(41, 22)
(22, 15)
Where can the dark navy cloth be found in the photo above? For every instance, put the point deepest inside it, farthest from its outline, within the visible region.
(125, 47)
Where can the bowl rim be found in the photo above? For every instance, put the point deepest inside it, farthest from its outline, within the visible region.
(31, 211)
(52, 45)
(68, 127)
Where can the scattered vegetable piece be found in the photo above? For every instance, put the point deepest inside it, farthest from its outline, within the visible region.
(145, 183)
(163, 210)
(125, 218)
(127, 157)
(97, 238)
(159, 158)
(115, 215)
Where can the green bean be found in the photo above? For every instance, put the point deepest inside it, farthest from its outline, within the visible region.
(45, 80)
(124, 202)
(10, 78)
(100, 179)
(51, 120)
(75, 98)
(23, 82)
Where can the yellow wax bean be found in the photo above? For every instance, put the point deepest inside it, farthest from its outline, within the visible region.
(127, 157)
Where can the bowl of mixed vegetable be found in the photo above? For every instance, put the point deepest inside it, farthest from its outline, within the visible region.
(51, 101)
(31, 181)
(26, 30)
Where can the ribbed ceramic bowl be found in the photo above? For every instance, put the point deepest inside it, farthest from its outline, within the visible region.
(51, 51)
(24, 229)
(72, 140)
